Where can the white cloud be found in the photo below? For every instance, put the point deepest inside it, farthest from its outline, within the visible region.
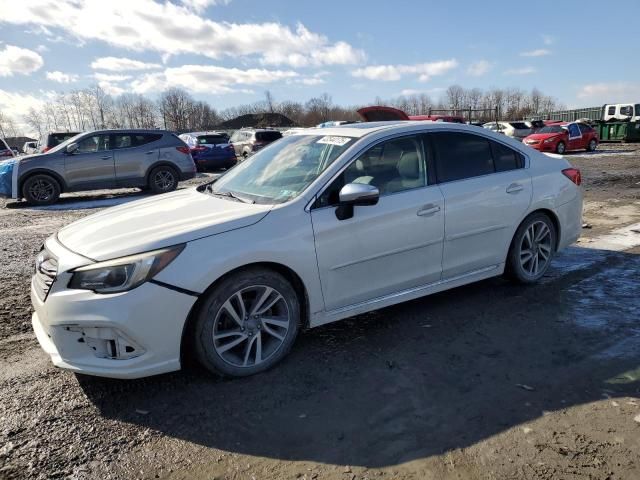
(540, 52)
(479, 68)
(16, 60)
(42, 48)
(168, 27)
(610, 92)
(108, 77)
(117, 64)
(520, 71)
(16, 104)
(200, 5)
(408, 92)
(62, 77)
(389, 73)
(208, 79)
(548, 39)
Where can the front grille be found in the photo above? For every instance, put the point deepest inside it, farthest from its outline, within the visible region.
(46, 271)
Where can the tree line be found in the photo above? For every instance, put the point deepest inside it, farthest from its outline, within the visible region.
(176, 109)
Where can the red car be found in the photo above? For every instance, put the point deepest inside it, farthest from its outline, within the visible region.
(560, 138)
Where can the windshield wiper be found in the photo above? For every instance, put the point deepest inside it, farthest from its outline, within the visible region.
(229, 195)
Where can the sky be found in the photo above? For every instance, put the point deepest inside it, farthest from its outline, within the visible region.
(228, 52)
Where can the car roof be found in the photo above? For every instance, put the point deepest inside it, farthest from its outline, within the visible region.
(208, 132)
(128, 130)
(359, 130)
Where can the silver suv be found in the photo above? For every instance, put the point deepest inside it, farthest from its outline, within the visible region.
(152, 159)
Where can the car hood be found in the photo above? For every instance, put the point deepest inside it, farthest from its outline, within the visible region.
(157, 222)
(543, 136)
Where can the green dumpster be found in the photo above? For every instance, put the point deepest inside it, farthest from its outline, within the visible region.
(618, 131)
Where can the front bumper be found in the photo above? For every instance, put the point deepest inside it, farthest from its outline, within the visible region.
(74, 328)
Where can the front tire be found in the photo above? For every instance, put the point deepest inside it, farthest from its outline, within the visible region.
(247, 324)
(163, 179)
(41, 190)
(561, 148)
(532, 249)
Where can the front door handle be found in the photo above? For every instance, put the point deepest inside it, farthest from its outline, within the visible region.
(428, 210)
(108, 157)
(515, 188)
(150, 152)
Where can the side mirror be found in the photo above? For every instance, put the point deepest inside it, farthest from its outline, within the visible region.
(72, 147)
(354, 194)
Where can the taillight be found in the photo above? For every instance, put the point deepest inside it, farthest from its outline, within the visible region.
(184, 149)
(7, 153)
(573, 174)
(198, 149)
(46, 149)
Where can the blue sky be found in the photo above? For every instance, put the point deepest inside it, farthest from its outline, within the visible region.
(230, 51)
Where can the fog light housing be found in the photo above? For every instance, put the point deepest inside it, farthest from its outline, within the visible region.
(107, 342)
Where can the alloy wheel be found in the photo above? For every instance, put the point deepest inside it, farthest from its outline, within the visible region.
(41, 190)
(251, 326)
(164, 180)
(536, 248)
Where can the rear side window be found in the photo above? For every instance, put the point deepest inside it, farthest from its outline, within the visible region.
(504, 158)
(268, 136)
(611, 110)
(129, 140)
(461, 155)
(144, 138)
(584, 128)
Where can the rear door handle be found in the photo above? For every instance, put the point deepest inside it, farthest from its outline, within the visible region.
(108, 157)
(515, 188)
(428, 210)
(150, 152)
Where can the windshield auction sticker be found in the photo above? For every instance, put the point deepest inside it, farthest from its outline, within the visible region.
(331, 140)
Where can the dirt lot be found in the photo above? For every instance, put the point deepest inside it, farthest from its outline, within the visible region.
(488, 381)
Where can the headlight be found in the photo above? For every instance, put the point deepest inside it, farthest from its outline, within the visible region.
(549, 140)
(124, 273)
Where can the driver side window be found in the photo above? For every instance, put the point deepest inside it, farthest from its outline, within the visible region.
(93, 143)
(392, 166)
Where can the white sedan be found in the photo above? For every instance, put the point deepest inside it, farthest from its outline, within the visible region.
(318, 226)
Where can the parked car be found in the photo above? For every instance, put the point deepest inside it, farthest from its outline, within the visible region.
(517, 130)
(564, 137)
(30, 147)
(5, 150)
(152, 159)
(247, 141)
(377, 113)
(53, 139)
(318, 226)
(210, 150)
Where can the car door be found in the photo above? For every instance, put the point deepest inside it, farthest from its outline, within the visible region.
(575, 137)
(91, 165)
(388, 247)
(486, 192)
(135, 152)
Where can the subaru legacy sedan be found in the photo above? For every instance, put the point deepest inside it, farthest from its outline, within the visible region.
(151, 159)
(318, 226)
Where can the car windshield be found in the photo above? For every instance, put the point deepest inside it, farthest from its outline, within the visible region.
(63, 145)
(212, 139)
(552, 129)
(283, 170)
(637, 109)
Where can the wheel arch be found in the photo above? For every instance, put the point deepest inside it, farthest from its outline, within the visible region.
(287, 272)
(552, 216)
(40, 171)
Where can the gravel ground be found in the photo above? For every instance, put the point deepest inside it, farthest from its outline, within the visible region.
(487, 381)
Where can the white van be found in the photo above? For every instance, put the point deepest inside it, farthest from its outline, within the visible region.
(621, 111)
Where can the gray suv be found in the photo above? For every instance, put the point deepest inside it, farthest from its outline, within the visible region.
(247, 141)
(151, 159)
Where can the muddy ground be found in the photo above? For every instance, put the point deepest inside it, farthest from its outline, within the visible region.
(487, 381)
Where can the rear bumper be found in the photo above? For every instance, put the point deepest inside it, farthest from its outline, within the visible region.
(225, 162)
(570, 217)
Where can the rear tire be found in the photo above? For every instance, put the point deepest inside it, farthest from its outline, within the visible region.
(531, 249)
(561, 148)
(163, 179)
(240, 339)
(41, 189)
(592, 146)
